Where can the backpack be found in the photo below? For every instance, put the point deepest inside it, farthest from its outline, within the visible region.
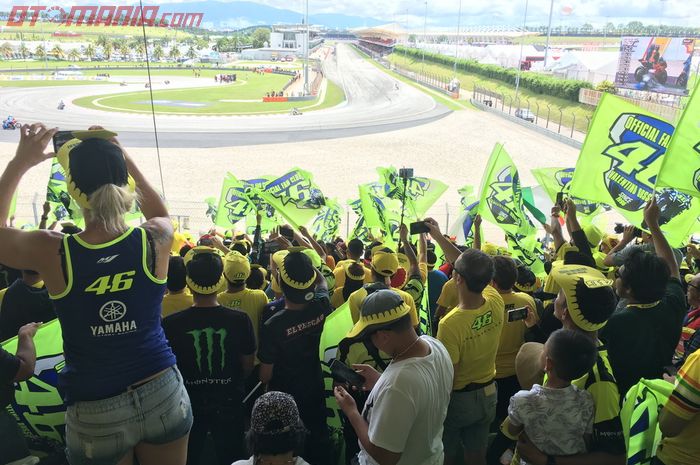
(640, 418)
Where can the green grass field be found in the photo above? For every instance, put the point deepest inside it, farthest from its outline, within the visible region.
(252, 87)
(572, 112)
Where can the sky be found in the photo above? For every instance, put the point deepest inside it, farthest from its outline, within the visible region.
(443, 13)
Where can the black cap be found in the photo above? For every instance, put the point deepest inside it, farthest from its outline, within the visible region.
(96, 162)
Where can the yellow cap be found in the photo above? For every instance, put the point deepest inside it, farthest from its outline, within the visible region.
(385, 262)
(379, 309)
(236, 266)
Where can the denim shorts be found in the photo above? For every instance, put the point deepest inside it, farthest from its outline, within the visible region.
(102, 432)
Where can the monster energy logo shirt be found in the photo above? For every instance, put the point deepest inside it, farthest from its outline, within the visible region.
(209, 343)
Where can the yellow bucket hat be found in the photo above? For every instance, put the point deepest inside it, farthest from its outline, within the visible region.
(384, 261)
(196, 287)
(379, 309)
(568, 277)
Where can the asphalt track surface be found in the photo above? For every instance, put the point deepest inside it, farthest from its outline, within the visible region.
(373, 105)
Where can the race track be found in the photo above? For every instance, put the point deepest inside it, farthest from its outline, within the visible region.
(373, 105)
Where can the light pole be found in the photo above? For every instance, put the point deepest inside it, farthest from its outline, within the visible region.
(520, 60)
(459, 19)
(549, 33)
(306, 54)
(425, 32)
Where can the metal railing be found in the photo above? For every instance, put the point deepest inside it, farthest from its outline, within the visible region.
(550, 117)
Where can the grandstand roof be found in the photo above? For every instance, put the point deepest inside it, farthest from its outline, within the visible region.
(385, 31)
(480, 31)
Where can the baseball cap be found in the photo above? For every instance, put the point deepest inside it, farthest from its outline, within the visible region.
(379, 309)
(384, 261)
(90, 161)
(570, 279)
(275, 413)
(193, 281)
(528, 364)
(236, 266)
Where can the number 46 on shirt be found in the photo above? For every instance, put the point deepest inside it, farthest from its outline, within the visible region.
(114, 283)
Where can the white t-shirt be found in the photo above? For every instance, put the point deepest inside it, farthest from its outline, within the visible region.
(407, 407)
(251, 461)
(555, 420)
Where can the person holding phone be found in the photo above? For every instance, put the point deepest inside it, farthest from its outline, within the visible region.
(124, 394)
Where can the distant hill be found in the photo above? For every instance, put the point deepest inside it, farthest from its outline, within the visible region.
(245, 14)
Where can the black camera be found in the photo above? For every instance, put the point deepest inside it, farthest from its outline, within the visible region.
(620, 228)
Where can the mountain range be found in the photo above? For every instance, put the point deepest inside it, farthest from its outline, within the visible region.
(237, 15)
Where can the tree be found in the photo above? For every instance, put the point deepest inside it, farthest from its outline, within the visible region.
(139, 48)
(23, 51)
(124, 50)
(260, 36)
(107, 50)
(158, 52)
(191, 53)
(90, 51)
(175, 53)
(40, 52)
(58, 52)
(74, 55)
(6, 50)
(101, 41)
(606, 86)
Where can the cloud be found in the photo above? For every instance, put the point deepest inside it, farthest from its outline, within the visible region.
(443, 13)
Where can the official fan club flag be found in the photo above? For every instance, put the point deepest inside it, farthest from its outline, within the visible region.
(619, 164)
(327, 222)
(462, 229)
(63, 207)
(294, 196)
(239, 201)
(680, 168)
(501, 203)
(421, 192)
(38, 407)
(555, 180)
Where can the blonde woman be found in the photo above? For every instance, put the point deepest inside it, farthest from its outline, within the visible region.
(124, 393)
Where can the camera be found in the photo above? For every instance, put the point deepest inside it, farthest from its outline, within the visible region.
(406, 173)
(620, 228)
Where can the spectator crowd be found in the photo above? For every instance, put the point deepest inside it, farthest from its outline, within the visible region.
(207, 350)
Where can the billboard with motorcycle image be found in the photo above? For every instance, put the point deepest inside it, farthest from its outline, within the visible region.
(655, 64)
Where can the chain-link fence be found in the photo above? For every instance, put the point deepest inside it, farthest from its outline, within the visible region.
(550, 117)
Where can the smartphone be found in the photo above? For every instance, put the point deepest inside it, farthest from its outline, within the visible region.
(344, 374)
(560, 200)
(405, 173)
(271, 247)
(419, 227)
(60, 138)
(517, 314)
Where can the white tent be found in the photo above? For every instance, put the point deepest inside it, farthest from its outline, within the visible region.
(587, 66)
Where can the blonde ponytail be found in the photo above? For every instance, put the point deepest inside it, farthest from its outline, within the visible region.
(108, 205)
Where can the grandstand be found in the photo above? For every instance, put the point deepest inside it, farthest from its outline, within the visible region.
(381, 39)
(475, 35)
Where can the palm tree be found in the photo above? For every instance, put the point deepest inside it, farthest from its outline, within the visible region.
(74, 55)
(139, 48)
(158, 52)
(90, 51)
(40, 52)
(107, 50)
(6, 50)
(101, 41)
(191, 53)
(58, 52)
(124, 50)
(175, 53)
(23, 50)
